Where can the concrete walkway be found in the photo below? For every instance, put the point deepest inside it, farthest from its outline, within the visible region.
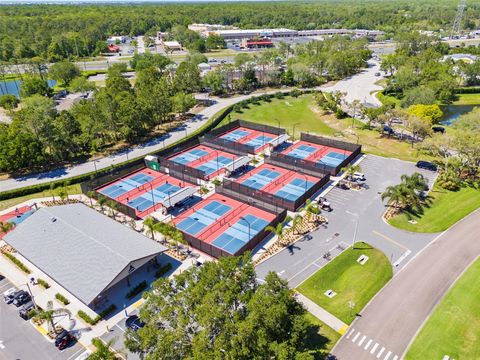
(322, 314)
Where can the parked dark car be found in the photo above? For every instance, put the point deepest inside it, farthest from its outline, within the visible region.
(387, 129)
(21, 298)
(63, 339)
(438, 129)
(133, 322)
(426, 165)
(24, 311)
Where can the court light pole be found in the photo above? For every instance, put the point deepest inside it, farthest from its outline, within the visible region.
(248, 222)
(153, 198)
(293, 132)
(306, 180)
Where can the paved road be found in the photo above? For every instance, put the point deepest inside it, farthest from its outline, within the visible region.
(117, 332)
(356, 214)
(395, 315)
(361, 86)
(20, 340)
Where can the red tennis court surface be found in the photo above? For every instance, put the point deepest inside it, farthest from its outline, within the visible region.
(322, 154)
(287, 184)
(145, 190)
(242, 135)
(224, 223)
(210, 161)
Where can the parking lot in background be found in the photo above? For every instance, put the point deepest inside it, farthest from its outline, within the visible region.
(356, 216)
(20, 340)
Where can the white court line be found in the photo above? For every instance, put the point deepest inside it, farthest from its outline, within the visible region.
(380, 352)
(350, 333)
(356, 336)
(388, 355)
(368, 344)
(361, 341)
(374, 348)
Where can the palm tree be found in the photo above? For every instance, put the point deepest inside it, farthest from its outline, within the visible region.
(62, 193)
(397, 195)
(114, 206)
(49, 315)
(91, 195)
(178, 239)
(101, 201)
(415, 181)
(52, 191)
(5, 227)
(102, 350)
(349, 170)
(151, 225)
(297, 220)
(277, 230)
(311, 208)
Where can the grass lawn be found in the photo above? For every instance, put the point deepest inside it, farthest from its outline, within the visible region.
(350, 280)
(310, 118)
(447, 208)
(321, 338)
(5, 204)
(468, 99)
(453, 329)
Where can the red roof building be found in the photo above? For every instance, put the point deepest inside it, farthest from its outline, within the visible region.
(113, 48)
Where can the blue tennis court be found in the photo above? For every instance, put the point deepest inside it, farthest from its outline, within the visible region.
(235, 135)
(189, 156)
(259, 141)
(333, 159)
(240, 233)
(203, 217)
(214, 165)
(150, 198)
(302, 151)
(296, 188)
(125, 185)
(261, 179)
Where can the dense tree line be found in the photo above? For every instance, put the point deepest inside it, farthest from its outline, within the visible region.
(66, 31)
(40, 135)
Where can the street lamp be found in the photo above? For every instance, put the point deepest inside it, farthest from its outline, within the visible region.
(278, 122)
(248, 222)
(95, 166)
(306, 180)
(153, 198)
(356, 227)
(294, 130)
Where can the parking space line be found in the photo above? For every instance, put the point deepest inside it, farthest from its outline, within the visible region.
(388, 355)
(6, 285)
(74, 355)
(390, 239)
(380, 352)
(374, 348)
(122, 330)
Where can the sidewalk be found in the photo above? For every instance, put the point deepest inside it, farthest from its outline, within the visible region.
(323, 315)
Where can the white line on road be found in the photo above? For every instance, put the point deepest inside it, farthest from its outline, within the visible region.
(356, 337)
(374, 348)
(380, 352)
(5, 285)
(368, 344)
(401, 258)
(361, 341)
(122, 330)
(350, 333)
(396, 357)
(388, 355)
(74, 355)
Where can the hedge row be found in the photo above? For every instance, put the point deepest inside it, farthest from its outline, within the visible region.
(62, 299)
(163, 270)
(137, 289)
(468, 90)
(17, 262)
(85, 317)
(43, 283)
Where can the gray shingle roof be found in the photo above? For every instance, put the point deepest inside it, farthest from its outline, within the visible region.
(82, 250)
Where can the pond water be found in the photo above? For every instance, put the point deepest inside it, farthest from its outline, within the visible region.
(451, 113)
(13, 87)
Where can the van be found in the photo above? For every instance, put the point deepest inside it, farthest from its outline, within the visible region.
(24, 311)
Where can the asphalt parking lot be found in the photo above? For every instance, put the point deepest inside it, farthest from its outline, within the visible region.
(20, 340)
(117, 332)
(356, 216)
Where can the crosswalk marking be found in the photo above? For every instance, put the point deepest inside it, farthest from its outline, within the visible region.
(395, 358)
(388, 355)
(368, 344)
(374, 348)
(380, 352)
(356, 336)
(350, 333)
(361, 341)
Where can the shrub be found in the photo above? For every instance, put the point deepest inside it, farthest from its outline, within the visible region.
(17, 262)
(107, 312)
(43, 283)
(137, 290)
(85, 317)
(163, 270)
(217, 182)
(62, 299)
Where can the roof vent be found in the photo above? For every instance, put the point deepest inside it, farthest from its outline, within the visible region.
(53, 219)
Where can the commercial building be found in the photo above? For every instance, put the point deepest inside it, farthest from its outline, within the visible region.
(256, 43)
(200, 28)
(172, 45)
(288, 33)
(83, 251)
